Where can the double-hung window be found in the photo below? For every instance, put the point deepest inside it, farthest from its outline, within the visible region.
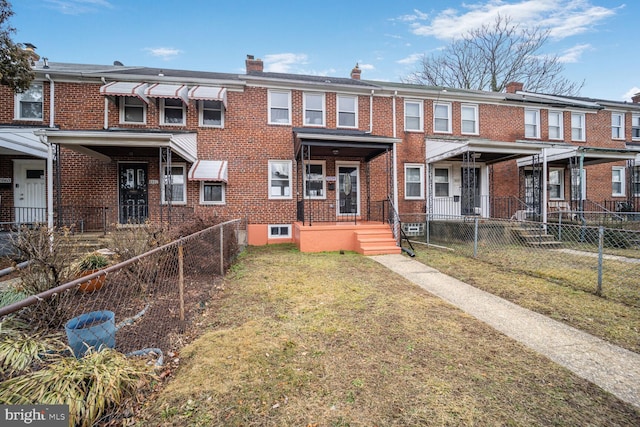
(636, 181)
(413, 116)
(413, 181)
(617, 125)
(314, 113)
(635, 127)
(441, 182)
(555, 125)
(212, 193)
(28, 104)
(279, 107)
(347, 111)
(442, 117)
(172, 112)
(617, 181)
(556, 184)
(577, 127)
(469, 119)
(531, 123)
(174, 188)
(133, 110)
(314, 180)
(280, 179)
(211, 114)
(578, 184)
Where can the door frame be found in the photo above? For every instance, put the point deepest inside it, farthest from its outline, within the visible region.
(40, 205)
(118, 171)
(355, 164)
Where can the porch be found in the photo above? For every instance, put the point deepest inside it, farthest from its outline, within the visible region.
(364, 237)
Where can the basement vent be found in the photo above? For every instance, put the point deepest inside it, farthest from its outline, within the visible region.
(413, 228)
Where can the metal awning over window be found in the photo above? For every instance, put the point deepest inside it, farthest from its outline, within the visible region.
(160, 90)
(135, 89)
(209, 93)
(208, 170)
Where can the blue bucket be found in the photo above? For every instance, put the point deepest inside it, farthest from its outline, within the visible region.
(96, 329)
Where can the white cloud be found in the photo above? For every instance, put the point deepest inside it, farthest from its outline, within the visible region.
(283, 62)
(631, 92)
(573, 54)
(367, 67)
(165, 53)
(411, 59)
(417, 15)
(77, 7)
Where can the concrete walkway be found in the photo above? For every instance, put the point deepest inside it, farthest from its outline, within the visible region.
(614, 369)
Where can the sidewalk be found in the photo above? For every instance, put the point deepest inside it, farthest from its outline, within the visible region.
(614, 369)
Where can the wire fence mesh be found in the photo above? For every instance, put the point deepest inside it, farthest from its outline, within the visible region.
(147, 301)
(596, 259)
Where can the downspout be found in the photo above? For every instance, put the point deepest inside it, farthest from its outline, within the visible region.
(52, 109)
(545, 195)
(371, 112)
(106, 108)
(396, 230)
(43, 139)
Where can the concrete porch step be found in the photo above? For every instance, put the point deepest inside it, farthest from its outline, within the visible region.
(376, 241)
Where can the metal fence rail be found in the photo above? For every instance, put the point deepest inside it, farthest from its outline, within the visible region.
(153, 297)
(596, 259)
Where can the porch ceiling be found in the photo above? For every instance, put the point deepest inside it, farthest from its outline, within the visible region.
(21, 141)
(592, 155)
(348, 143)
(486, 151)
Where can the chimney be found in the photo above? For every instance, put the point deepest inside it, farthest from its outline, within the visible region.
(31, 50)
(636, 98)
(513, 87)
(253, 64)
(355, 72)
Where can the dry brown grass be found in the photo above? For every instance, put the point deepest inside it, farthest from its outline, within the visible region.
(337, 340)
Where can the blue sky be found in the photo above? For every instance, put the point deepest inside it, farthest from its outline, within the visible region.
(595, 39)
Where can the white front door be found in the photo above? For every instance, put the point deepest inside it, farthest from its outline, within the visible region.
(29, 191)
(348, 189)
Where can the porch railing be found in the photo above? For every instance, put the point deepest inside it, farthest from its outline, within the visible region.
(13, 217)
(483, 205)
(310, 211)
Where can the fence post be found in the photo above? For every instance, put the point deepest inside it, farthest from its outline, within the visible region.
(222, 250)
(475, 237)
(181, 280)
(427, 234)
(560, 227)
(600, 266)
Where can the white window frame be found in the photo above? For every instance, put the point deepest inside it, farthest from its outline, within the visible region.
(202, 106)
(306, 179)
(35, 88)
(636, 181)
(164, 107)
(272, 107)
(560, 184)
(619, 126)
(306, 109)
(280, 227)
(222, 185)
(635, 127)
(420, 168)
(420, 115)
(559, 126)
(530, 125)
(449, 182)
(621, 181)
(164, 201)
(578, 123)
(476, 127)
(123, 110)
(448, 118)
(288, 165)
(340, 109)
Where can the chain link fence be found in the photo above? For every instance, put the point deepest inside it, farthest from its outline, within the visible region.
(596, 259)
(146, 302)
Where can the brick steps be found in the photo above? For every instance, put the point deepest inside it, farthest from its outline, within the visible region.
(537, 238)
(376, 241)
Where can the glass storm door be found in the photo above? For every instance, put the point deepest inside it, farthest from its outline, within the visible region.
(133, 200)
(348, 194)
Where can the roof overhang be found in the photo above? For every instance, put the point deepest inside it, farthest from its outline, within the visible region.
(590, 155)
(208, 170)
(93, 143)
(332, 143)
(484, 151)
(21, 141)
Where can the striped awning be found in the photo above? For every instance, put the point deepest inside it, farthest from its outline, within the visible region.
(208, 170)
(160, 90)
(136, 89)
(209, 93)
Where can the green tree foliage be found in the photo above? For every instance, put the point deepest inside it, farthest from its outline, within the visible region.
(15, 62)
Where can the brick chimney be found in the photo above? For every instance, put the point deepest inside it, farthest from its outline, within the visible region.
(636, 98)
(513, 87)
(253, 64)
(355, 72)
(31, 50)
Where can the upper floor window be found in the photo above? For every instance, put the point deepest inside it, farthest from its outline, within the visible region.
(314, 114)
(577, 127)
(347, 111)
(617, 181)
(211, 113)
(280, 107)
(617, 125)
(212, 193)
(413, 181)
(442, 117)
(531, 123)
(469, 119)
(314, 180)
(28, 104)
(635, 127)
(132, 110)
(442, 182)
(280, 179)
(555, 125)
(172, 112)
(174, 188)
(413, 116)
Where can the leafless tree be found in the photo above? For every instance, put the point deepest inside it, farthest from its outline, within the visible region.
(15, 62)
(493, 55)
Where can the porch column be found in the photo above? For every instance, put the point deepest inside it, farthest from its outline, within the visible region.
(44, 140)
(545, 194)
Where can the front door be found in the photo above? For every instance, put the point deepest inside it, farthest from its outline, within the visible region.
(29, 191)
(532, 186)
(470, 191)
(133, 202)
(349, 190)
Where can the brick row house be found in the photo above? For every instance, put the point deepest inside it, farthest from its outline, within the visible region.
(324, 162)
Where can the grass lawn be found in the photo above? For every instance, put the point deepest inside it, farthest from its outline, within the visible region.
(338, 340)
